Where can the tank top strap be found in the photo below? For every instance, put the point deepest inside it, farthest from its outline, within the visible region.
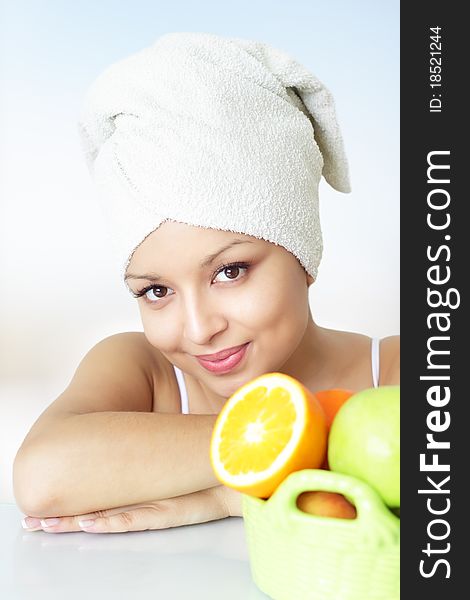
(375, 360)
(183, 391)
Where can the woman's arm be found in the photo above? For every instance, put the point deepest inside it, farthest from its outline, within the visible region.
(103, 460)
(99, 445)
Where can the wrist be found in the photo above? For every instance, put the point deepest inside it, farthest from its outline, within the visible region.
(233, 501)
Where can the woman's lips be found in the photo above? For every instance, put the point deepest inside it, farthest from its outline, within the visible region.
(220, 355)
(225, 364)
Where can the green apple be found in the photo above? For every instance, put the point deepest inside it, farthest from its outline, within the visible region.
(364, 440)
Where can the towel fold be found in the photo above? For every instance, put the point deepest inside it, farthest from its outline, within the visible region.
(216, 132)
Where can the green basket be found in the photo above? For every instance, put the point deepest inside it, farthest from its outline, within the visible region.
(299, 556)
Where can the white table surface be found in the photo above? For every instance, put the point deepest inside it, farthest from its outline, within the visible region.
(208, 561)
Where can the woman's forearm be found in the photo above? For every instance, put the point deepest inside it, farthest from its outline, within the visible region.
(102, 460)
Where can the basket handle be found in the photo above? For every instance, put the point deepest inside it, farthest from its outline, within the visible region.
(377, 524)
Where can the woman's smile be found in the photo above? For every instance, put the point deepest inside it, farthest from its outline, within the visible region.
(230, 359)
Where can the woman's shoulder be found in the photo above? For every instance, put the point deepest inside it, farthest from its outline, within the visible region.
(155, 366)
(390, 360)
(133, 345)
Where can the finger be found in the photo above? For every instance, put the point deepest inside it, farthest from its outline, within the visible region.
(67, 523)
(31, 524)
(134, 517)
(49, 524)
(198, 507)
(63, 524)
(55, 524)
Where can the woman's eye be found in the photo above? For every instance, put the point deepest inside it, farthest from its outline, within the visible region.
(156, 293)
(231, 272)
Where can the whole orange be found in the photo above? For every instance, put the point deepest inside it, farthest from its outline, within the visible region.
(332, 400)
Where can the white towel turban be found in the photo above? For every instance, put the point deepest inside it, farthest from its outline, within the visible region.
(215, 132)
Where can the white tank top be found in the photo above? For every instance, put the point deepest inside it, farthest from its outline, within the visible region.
(375, 362)
(183, 391)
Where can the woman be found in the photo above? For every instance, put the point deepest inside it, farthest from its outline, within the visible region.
(207, 153)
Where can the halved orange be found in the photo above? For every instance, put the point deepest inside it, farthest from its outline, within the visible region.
(269, 428)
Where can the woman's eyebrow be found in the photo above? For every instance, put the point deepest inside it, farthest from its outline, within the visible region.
(208, 260)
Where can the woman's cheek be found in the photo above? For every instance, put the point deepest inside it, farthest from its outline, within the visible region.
(161, 333)
(285, 314)
(255, 303)
(244, 308)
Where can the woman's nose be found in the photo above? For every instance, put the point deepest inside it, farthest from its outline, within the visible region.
(202, 320)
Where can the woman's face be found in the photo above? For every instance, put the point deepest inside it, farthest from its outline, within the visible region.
(200, 301)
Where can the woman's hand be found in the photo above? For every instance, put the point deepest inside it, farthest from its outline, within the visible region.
(232, 500)
(199, 507)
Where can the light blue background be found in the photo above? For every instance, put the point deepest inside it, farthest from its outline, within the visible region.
(61, 291)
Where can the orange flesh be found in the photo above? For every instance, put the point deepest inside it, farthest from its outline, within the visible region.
(256, 428)
(259, 428)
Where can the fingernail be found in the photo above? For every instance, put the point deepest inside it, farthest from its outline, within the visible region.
(86, 523)
(50, 522)
(30, 523)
